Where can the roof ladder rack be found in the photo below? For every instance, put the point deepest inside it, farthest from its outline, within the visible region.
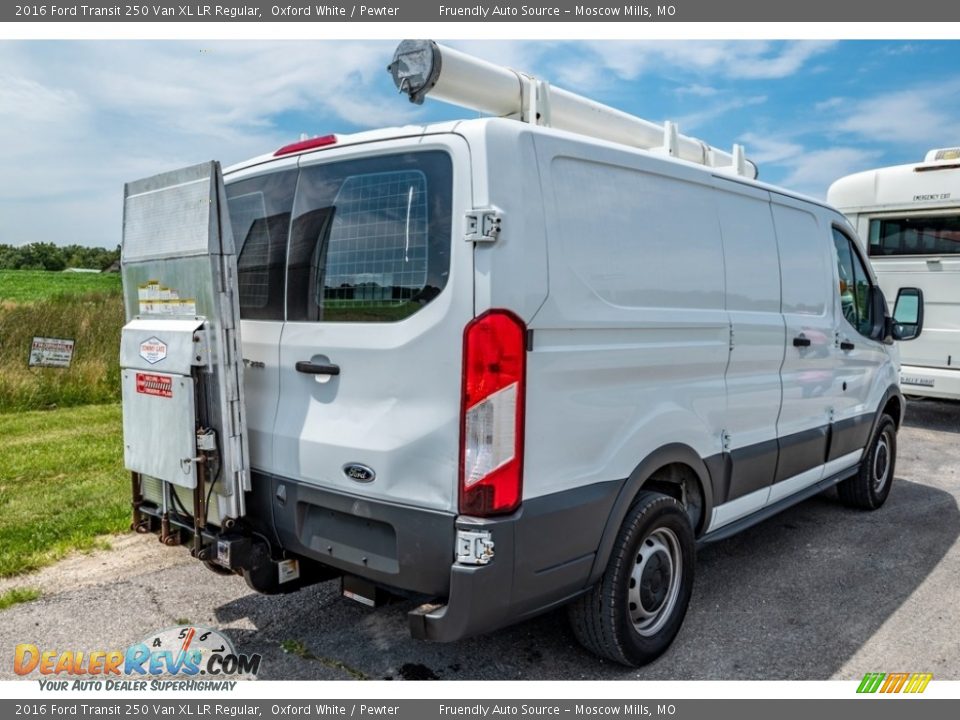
(422, 67)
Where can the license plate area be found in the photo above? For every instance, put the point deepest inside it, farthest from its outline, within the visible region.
(362, 591)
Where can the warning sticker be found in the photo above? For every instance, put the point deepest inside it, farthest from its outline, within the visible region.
(159, 385)
(156, 299)
(153, 350)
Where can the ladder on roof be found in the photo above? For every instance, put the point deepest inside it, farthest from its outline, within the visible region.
(422, 67)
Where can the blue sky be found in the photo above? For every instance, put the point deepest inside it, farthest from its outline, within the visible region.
(80, 118)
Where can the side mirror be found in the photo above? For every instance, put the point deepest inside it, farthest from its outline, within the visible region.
(881, 322)
(907, 321)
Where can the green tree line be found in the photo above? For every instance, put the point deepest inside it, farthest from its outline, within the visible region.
(47, 256)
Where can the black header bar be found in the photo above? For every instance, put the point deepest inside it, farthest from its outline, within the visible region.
(481, 11)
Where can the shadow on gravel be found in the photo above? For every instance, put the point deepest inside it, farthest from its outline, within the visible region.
(792, 598)
(930, 414)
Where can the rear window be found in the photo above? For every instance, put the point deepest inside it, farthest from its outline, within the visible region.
(260, 218)
(370, 239)
(939, 235)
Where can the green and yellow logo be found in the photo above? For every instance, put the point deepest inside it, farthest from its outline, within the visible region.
(894, 682)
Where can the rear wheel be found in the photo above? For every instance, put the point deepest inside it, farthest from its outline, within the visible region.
(633, 614)
(869, 488)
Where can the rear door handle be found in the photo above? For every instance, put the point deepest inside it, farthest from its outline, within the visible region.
(801, 341)
(846, 345)
(305, 366)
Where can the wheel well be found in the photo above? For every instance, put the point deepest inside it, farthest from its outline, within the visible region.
(682, 483)
(894, 409)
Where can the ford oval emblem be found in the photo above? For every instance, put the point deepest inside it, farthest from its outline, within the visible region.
(358, 472)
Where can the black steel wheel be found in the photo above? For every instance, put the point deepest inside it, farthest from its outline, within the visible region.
(633, 614)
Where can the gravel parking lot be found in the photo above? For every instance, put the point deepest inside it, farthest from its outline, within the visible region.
(818, 592)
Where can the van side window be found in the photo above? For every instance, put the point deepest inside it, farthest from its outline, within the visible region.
(935, 235)
(371, 238)
(854, 285)
(805, 270)
(260, 210)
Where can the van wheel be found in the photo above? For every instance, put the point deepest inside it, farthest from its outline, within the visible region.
(869, 488)
(632, 615)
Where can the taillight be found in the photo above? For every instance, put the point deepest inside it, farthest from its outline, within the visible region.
(306, 145)
(491, 431)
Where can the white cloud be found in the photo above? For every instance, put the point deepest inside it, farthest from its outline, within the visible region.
(723, 59)
(89, 116)
(812, 172)
(693, 120)
(925, 115)
(697, 90)
(830, 104)
(762, 149)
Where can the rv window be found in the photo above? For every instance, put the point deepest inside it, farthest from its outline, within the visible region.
(370, 239)
(854, 285)
(260, 218)
(937, 235)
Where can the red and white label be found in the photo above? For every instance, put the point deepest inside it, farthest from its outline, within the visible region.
(159, 385)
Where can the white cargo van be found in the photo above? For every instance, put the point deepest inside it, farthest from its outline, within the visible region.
(497, 366)
(909, 216)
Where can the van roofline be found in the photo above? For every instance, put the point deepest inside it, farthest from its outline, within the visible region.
(477, 125)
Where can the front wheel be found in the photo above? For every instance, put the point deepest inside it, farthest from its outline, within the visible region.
(633, 614)
(869, 488)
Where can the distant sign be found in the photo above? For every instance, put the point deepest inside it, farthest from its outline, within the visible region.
(51, 352)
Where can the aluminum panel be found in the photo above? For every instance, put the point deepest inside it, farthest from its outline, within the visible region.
(178, 266)
(176, 337)
(159, 438)
(168, 215)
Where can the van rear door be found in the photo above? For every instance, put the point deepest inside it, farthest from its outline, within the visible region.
(379, 289)
(260, 201)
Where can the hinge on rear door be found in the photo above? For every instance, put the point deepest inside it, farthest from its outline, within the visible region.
(483, 224)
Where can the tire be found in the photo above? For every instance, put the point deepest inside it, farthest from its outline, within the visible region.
(869, 488)
(633, 614)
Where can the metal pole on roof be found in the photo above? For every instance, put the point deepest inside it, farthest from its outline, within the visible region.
(423, 67)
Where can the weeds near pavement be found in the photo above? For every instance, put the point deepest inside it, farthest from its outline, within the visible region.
(17, 596)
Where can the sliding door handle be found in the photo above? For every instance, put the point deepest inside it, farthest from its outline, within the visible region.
(801, 341)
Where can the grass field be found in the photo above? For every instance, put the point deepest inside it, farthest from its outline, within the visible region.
(22, 286)
(62, 483)
(57, 305)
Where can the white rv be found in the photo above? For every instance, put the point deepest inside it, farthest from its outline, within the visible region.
(909, 219)
(498, 365)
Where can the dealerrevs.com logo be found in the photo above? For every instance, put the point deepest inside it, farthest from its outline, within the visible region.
(185, 657)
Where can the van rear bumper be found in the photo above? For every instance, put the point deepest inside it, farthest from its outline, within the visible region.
(487, 597)
(394, 545)
(479, 598)
(538, 562)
